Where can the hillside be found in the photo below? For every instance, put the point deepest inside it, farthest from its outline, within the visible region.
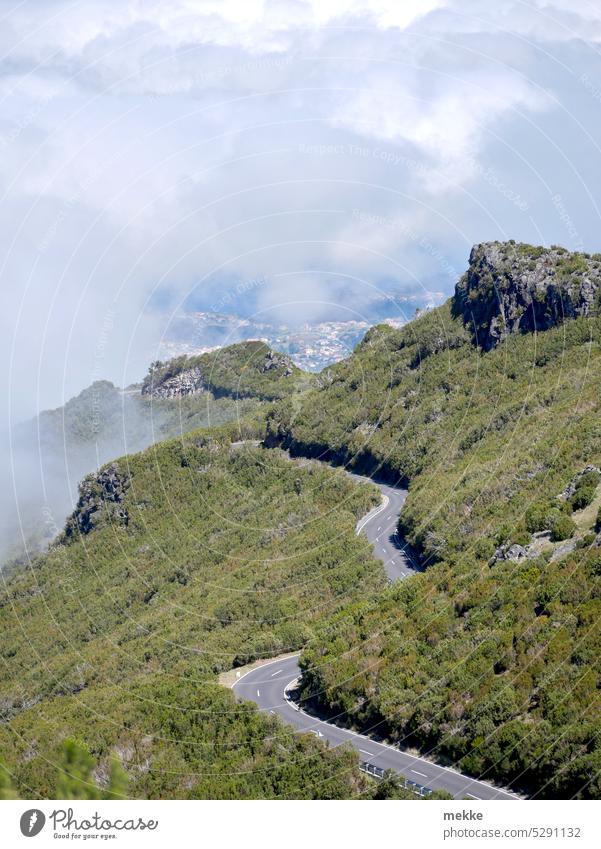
(55, 450)
(201, 554)
(179, 563)
(246, 370)
(490, 659)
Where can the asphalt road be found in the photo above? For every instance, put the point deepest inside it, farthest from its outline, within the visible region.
(266, 686)
(380, 528)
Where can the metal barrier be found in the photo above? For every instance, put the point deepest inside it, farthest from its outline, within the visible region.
(378, 772)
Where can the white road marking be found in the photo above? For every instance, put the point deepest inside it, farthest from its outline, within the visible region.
(273, 674)
(454, 772)
(365, 752)
(423, 774)
(380, 528)
(259, 693)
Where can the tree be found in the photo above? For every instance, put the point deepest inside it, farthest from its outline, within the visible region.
(75, 767)
(440, 794)
(118, 781)
(535, 518)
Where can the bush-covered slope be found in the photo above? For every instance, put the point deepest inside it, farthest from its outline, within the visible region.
(194, 556)
(490, 658)
(245, 370)
(200, 555)
(55, 450)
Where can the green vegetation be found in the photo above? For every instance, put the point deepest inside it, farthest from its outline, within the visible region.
(540, 516)
(114, 639)
(113, 421)
(244, 370)
(491, 665)
(102, 422)
(585, 490)
(562, 528)
(198, 556)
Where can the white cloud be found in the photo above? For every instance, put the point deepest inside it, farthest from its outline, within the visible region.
(148, 145)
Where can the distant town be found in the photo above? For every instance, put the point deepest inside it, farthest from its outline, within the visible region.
(311, 346)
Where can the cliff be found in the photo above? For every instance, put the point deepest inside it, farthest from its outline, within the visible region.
(515, 288)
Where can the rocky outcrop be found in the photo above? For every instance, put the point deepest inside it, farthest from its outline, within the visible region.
(244, 370)
(571, 488)
(514, 553)
(516, 288)
(187, 382)
(277, 362)
(101, 499)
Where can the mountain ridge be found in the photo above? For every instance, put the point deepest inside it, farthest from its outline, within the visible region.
(489, 658)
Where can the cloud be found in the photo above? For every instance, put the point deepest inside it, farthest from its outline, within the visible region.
(152, 150)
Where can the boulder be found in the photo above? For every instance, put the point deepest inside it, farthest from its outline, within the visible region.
(512, 552)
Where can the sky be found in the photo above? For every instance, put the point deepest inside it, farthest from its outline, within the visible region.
(158, 154)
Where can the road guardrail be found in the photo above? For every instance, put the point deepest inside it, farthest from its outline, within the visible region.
(378, 772)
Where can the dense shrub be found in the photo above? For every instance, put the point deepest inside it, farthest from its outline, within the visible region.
(538, 517)
(472, 660)
(115, 640)
(582, 497)
(563, 528)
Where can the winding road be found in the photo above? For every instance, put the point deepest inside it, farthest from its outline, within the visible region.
(380, 528)
(269, 685)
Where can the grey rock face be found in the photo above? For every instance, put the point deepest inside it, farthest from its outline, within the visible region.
(510, 288)
(570, 489)
(510, 552)
(224, 375)
(277, 362)
(187, 382)
(100, 499)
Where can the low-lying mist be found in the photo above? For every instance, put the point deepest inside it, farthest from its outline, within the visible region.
(44, 459)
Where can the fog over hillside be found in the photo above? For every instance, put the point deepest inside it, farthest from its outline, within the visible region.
(300, 335)
(289, 163)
